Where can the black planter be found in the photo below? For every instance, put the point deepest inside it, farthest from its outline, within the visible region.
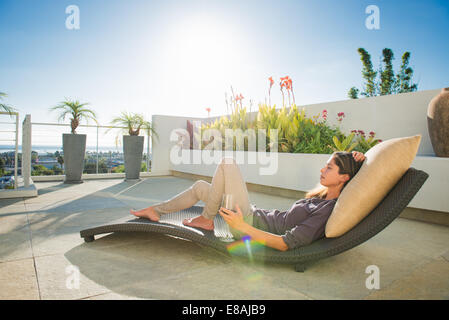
(74, 147)
(133, 150)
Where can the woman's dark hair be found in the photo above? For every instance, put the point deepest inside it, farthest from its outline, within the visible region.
(346, 165)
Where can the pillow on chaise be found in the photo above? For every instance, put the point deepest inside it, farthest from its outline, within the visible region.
(384, 165)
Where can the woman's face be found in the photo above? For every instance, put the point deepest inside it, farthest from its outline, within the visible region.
(330, 176)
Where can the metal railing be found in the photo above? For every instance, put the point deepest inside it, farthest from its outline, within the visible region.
(16, 140)
(51, 134)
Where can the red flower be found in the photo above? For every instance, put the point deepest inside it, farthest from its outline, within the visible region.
(286, 82)
(341, 114)
(371, 134)
(271, 81)
(208, 109)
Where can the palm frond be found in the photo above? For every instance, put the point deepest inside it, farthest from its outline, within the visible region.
(5, 107)
(75, 109)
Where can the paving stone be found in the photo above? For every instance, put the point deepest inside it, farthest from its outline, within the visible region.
(9, 207)
(344, 276)
(112, 296)
(446, 255)
(14, 220)
(156, 257)
(18, 280)
(429, 281)
(15, 244)
(57, 280)
(229, 282)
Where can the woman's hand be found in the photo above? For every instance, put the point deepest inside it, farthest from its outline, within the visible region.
(233, 219)
(358, 156)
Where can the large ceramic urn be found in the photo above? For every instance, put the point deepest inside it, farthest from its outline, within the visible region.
(438, 123)
(74, 148)
(133, 150)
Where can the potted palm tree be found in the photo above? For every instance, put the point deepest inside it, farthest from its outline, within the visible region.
(73, 144)
(133, 123)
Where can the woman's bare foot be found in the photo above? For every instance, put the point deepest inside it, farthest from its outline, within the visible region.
(148, 213)
(199, 222)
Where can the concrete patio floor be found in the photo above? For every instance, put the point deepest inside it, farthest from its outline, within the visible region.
(40, 243)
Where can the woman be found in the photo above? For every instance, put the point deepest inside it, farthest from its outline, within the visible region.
(303, 223)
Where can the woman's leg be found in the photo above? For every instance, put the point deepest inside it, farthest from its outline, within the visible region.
(227, 179)
(198, 191)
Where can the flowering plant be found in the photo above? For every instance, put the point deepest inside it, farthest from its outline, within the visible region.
(296, 132)
(364, 144)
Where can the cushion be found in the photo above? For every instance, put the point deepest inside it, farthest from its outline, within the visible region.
(384, 165)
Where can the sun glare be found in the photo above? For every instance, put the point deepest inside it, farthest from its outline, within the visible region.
(200, 58)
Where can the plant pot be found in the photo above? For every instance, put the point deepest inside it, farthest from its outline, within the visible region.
(438, 123)
(74, 147)
(133, 150)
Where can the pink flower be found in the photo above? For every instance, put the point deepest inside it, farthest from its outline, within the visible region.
(325, 114)
(340, 116)
(238, 97)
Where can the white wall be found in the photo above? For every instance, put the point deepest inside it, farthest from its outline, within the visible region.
(163, 126)
(302, 171)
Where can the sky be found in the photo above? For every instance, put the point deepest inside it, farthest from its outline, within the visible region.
(179, 57)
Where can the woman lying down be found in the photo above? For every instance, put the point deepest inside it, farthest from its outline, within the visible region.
(302, 224)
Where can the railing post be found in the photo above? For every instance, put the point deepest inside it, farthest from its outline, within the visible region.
(97, 149)
(148, 151)
(16, 154)
(26, 150)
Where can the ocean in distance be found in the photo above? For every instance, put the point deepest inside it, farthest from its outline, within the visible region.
(43, 149)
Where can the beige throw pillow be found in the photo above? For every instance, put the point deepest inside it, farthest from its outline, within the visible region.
(384, 165)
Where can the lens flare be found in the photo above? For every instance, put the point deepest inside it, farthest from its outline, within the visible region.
(245, 247)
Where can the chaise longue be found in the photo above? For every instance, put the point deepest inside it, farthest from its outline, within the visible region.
(221, 239)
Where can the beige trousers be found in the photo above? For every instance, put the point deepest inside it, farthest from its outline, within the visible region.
(227, 179)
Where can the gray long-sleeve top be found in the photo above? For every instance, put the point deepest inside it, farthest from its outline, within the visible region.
(302, 224)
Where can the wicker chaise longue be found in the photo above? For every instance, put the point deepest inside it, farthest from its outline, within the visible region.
(171, 224)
